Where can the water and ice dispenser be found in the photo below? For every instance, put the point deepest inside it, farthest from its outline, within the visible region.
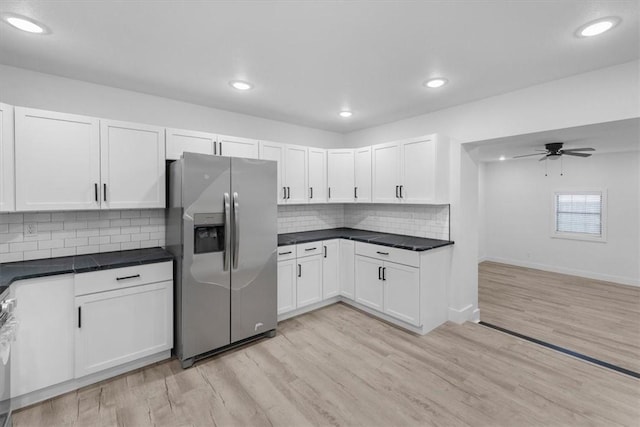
(208, 233)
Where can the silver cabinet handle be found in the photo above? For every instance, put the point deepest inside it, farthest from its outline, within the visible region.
(79, 316)
(104, 192)
(329, 192)
(227, 232)
(299, 270)
(95, 190)
(379, 273)
(325, 251)
(382, 253)
(135, 276)
(397, 187)
(284, 193)
(355, 192)
(384, 274)
(311, 192)
(220, 148)
(284, 253)
(311, 249)
(215, 148)
(401, 196)
(236, 230)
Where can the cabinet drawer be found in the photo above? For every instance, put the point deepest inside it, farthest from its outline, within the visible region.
(308, 249)
(400, 256)
(286, 252)
(117, 278)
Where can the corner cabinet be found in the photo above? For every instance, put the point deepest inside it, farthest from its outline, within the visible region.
(317, 159)
(362, 174)
(132, 166)
(7, 178)
(122, 314)
(341, 175)
(57, 161)
(275, 151)
(295, 174)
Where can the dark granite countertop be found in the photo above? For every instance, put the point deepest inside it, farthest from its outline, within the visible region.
(385, 239)
(13, 271)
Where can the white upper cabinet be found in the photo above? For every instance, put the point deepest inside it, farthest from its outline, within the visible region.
(179, 141)
(132, 165)
(411, 171)
(386, 172)
(340, 175)
(275, 151)
(7, 179)
(233, 146)
(317, 175)
(295, 174)
(425, 170)
(362, 174)
(57, 158)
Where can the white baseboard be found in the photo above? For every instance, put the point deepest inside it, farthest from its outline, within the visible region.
(463, 314)
(570, 271)
(482, 258)
(308, 308)
(475, 316)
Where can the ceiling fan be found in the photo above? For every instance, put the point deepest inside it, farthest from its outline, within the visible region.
(553, 150)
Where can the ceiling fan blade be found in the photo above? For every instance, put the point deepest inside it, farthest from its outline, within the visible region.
(527, 155)
(577, 154)
(543, 158)
(578, 149)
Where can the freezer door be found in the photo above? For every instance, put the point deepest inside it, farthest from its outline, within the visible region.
(254, 242)
(206, 280)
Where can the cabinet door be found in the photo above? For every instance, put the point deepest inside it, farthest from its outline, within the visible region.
(274, 151)
(232, 146)
(287, 271)
(42, 353)
(330, 270)
(363, 174)
(340, 175)
(347, 268)
(369, 285)
(295, 170)
(386, 173)
(7, 202)
(119, 326)
(402, 292)
(132, 165)
(309, 280)
(179, 141)
(57, 161)
(317, 175)
(418, 169)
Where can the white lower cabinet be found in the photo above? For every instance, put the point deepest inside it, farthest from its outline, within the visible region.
(369, 285)
(330, 270)
(347, 268)
(309, 280)
(43, 351)
(391, 288)
(402, 292)
(123, 325)
(287, 285)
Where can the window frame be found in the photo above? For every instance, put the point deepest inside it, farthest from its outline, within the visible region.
(602, 238)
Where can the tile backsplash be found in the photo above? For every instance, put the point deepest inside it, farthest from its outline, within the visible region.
(413, 220)
(78, 232)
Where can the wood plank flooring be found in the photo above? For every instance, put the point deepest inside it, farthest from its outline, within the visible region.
(599, 319)
(338, 366)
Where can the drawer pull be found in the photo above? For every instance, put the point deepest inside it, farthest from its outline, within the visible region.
(79, 316)
(310, 249)
(382, 253)
(128, 277)
(284, 253)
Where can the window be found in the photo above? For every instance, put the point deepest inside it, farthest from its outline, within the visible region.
(579, 215)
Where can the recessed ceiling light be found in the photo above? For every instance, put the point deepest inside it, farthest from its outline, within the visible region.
(25, 24)
(436, 82)
(502, 158)
(346, 113)
(240, 85)
(597, 27)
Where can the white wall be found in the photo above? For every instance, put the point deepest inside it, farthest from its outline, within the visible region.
(604, 95)
(37, 90)
(518, 206)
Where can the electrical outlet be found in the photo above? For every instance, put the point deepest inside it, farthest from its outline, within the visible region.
(31, 229)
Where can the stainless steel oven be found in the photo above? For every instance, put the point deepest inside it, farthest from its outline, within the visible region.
(8, 326)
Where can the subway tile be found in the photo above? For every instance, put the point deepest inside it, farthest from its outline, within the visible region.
(91, 249)
(109, 214)
(99, 240)
(63, 234)
(4, 248)
(75, 225)
(37, 217)
(130, 214)
(139, 236)
(88, 232)
(109, 231)
(63, 216)
(16, 228)
(50, 226)
(78, 241)
(120, 222)
(40, 235)
(23, 246)
(121, 238)
(130, 230)
(129, 245)
(101, 223)
(110, 247)
(51, 244)
(39, 254)
(4, 228)
(88, 215)
(58, 252)
(140, 221)
(148, 243)
(11, 257)
(148, 228)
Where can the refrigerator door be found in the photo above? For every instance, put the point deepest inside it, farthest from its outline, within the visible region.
(206, 278)
(254, 242)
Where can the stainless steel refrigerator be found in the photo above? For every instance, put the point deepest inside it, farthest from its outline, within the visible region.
(222, 230)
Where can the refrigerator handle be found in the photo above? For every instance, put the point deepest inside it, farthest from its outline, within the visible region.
(236, 230)
(227, 232)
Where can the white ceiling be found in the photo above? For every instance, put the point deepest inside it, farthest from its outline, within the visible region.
(309, 59)
(617, 136)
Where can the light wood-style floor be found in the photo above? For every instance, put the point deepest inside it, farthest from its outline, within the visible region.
(338, 366)
(599, 319)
